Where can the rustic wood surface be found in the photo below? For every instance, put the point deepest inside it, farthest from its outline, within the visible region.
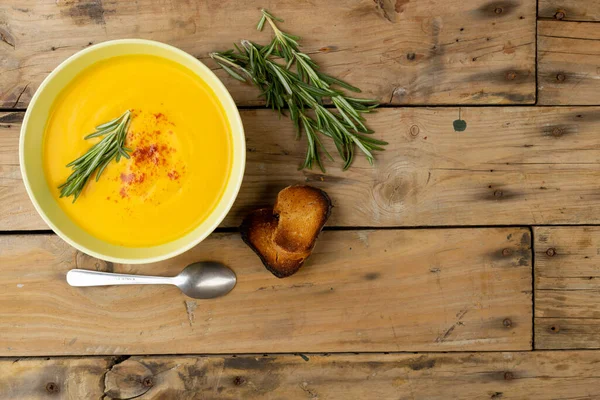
(568, 62)
(570, 10)
(58, 378)
(382, 290)
(567, 287)
(467, 280)
(401, 52)
(519, 375)
(525, 165)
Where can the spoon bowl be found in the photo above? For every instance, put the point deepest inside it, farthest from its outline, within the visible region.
(205, 280)
(200, 280)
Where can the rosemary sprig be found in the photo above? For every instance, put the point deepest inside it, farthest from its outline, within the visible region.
(290, 79)
(112, 146)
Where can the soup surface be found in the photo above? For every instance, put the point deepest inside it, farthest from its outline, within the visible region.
(181, 150)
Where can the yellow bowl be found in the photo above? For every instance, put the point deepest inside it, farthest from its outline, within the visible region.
(30, 153)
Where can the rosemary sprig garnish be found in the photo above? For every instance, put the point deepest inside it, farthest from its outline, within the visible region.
(296, 83)
(112, 146)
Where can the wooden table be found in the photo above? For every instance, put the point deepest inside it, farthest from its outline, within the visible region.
(452, 268)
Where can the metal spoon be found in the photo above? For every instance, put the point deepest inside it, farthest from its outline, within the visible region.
(201, 280)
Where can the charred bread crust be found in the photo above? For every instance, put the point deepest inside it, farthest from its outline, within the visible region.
(302, 211)
(283, 237)
(257, 232)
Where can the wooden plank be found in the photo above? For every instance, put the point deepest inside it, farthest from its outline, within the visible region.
(567, 258)
(57, 378)
(17, 212)
(567, 333)
(567, 287)
(570, 10)
(568, 63)
(514, 165)
(384, 290)
(400, 52)
(521, 375)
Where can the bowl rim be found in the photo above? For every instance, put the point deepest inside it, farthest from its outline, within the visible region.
(235, 177)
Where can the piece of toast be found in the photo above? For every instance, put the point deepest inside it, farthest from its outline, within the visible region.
(300, 215)
(257, 232)
(302, 212)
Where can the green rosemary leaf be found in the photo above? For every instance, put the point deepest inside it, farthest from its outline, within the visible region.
(289, 79)
(101, 169)
(124, 153)
(314, 91)
(237, 48)
(368, 139)
(362, 147)
(289, 63)
(108, 124)
(271, 16)
(282, 79)
(232, 73)
(364, 101)
(97, 158)
(261, 23)
(295, 117)
(323, 149)
(310, 72)
(350, 157)
(346, 118)
(334, 81)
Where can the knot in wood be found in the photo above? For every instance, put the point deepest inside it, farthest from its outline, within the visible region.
(557, 132)
(551, 252)
(128, 379)
(148, 381)
(561, 77)
(498, 194)
(506, 252)
(498, 10)
(507, 322)
(390, 193)
(508, 376)
(414, 130)
(560, 14)
(239, 381)
(52, 387)
(511, 75)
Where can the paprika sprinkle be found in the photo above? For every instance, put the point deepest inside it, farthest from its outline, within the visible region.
(153, 156)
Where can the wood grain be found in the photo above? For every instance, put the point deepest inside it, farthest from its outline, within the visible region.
(520, 375)
(57, 378)
(570, 10)
(567, 287)
(384, 290)
(568, 63)
(567, 333)
(400, 52)
(514, 165)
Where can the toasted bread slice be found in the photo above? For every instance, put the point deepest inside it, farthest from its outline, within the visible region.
(257, 232)
(284, 237)
(302, 212)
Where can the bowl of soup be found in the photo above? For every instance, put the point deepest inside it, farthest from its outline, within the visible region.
(185, 142)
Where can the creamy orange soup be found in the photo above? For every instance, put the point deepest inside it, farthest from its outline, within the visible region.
(181, 144)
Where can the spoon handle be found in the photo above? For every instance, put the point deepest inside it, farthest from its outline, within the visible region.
(82, 277)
